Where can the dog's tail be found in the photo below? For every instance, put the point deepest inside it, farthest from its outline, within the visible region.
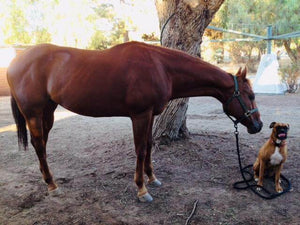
(20, 123)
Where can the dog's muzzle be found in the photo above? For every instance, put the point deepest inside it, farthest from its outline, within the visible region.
(281, 132)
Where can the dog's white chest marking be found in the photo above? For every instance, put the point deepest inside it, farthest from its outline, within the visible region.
(276, 157)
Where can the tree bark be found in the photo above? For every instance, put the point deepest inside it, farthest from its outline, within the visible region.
(294, 55)
(183, 23)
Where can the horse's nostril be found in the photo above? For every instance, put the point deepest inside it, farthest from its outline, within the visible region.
(258, 126)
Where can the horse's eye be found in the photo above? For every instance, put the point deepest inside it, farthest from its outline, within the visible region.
(252, 97)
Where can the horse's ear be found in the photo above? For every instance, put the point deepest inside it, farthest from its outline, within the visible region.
(244, 73)
(239, 72)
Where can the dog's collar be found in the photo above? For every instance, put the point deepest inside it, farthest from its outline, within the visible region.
(278, 144)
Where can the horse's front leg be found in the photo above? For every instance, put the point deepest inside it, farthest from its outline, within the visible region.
(148, 166)
(141, 127)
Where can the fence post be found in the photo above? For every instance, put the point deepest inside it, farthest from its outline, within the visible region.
(269, 39)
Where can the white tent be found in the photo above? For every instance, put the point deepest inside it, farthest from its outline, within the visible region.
(267, 80)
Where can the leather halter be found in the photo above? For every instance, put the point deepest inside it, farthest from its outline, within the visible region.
(237, 95)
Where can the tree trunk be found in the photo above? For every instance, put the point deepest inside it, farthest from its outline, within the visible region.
(183, 23)
(294, 55)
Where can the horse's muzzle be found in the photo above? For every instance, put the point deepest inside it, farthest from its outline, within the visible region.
(255, 127)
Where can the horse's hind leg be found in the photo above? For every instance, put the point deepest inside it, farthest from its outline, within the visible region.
(48, 119)
(39, 126)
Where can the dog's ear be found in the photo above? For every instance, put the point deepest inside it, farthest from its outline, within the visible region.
(272, 124)
(288, 126)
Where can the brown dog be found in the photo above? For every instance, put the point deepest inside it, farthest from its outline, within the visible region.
(272, 155)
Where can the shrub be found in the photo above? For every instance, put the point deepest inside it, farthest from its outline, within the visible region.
(291, 76)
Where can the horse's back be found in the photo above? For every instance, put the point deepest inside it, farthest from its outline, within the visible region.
(113, 82)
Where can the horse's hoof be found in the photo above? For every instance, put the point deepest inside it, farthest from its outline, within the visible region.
(52, 187)
(155, 183)
(56, 193)
(145, 198)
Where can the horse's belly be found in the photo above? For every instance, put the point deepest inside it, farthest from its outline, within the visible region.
(96, 108)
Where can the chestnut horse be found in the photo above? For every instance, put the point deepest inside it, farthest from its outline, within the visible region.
(134, 79)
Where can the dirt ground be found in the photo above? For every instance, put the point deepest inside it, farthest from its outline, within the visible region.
(93, 161)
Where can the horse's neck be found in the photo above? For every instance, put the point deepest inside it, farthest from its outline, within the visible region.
(198, 78)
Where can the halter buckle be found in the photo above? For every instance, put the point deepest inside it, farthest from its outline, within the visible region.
(248, 113)
(236, 93)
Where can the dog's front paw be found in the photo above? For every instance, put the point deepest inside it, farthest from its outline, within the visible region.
(258, 188)
(279, 189)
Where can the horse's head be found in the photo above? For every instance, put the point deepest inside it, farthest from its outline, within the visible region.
(241, 104)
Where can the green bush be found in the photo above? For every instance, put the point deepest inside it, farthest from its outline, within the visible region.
(291, 75)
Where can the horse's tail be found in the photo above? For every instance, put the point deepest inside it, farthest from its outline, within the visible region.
(20, 123)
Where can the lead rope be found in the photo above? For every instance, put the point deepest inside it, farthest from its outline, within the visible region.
(244, 184)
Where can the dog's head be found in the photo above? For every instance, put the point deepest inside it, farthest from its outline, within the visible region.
(280, 130)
